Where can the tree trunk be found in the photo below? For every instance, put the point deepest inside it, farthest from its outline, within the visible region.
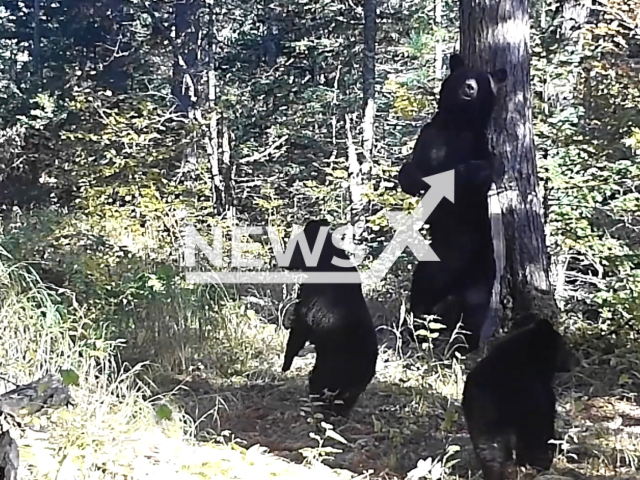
(188, 83)
(186, 38)
(228, 172)
(355, 191)
(212, 143)
(369, 77)
(494, 34)
(360, 171)
(439, 45)
(212, 128)
(37, 64)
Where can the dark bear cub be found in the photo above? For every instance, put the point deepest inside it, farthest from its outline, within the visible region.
(509, 395)
(336, 320)
(456, 138)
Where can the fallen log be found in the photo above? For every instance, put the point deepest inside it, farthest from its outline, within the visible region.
(9, 459)
(46, 392)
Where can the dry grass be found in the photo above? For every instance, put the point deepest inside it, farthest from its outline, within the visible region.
(223, 419)
(113, 432)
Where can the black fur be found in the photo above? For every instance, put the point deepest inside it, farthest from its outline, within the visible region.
(456, 138)
(509, 396)
(336, 320)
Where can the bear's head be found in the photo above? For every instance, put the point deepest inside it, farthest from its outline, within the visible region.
(548, 347)
(312, 233)
(467, 95)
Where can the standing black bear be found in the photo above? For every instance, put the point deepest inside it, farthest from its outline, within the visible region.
(336, 320)
(456, 138)
(510, 394)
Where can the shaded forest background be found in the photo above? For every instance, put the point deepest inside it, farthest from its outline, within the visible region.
(123, 120)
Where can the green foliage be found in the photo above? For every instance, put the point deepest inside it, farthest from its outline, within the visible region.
(587, 119)
(100, 170)
(43, 330)
(164, 412)
(70, 377)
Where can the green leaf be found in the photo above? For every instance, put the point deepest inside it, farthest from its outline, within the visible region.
(70, 377)
(164, 412)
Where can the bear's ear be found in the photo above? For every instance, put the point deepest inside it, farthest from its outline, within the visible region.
(499, 76)
(456, 62)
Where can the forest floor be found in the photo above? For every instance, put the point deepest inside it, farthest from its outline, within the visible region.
(407, 415)
(260, 425)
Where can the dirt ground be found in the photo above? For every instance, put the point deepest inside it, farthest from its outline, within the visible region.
(387, 432)
(397, 423)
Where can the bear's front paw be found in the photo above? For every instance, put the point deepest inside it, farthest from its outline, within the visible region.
(410, 181)
(477, 172)
(289, 317)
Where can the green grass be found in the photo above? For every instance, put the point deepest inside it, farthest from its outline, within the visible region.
(211, 367)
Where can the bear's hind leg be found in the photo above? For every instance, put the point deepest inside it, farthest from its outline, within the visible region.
(494, 454)
(476, 300)
(432, 283)
(533, 435)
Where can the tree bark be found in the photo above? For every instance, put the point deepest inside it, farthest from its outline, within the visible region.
(439, 46)
(369, 76)
(360, 171)
(37, 64)
(186, 38)
(212, 129)
(495, 34)
(228, 172)
(212, 144)
(9, 457)
(355, 191)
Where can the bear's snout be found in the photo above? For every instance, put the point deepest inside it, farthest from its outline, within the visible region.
(469, 89)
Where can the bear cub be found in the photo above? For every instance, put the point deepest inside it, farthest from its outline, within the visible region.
(509, 396)
(336, 320)
(456, 139)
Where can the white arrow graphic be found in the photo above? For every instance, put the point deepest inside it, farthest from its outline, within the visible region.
(407, 235)
(408, 227)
